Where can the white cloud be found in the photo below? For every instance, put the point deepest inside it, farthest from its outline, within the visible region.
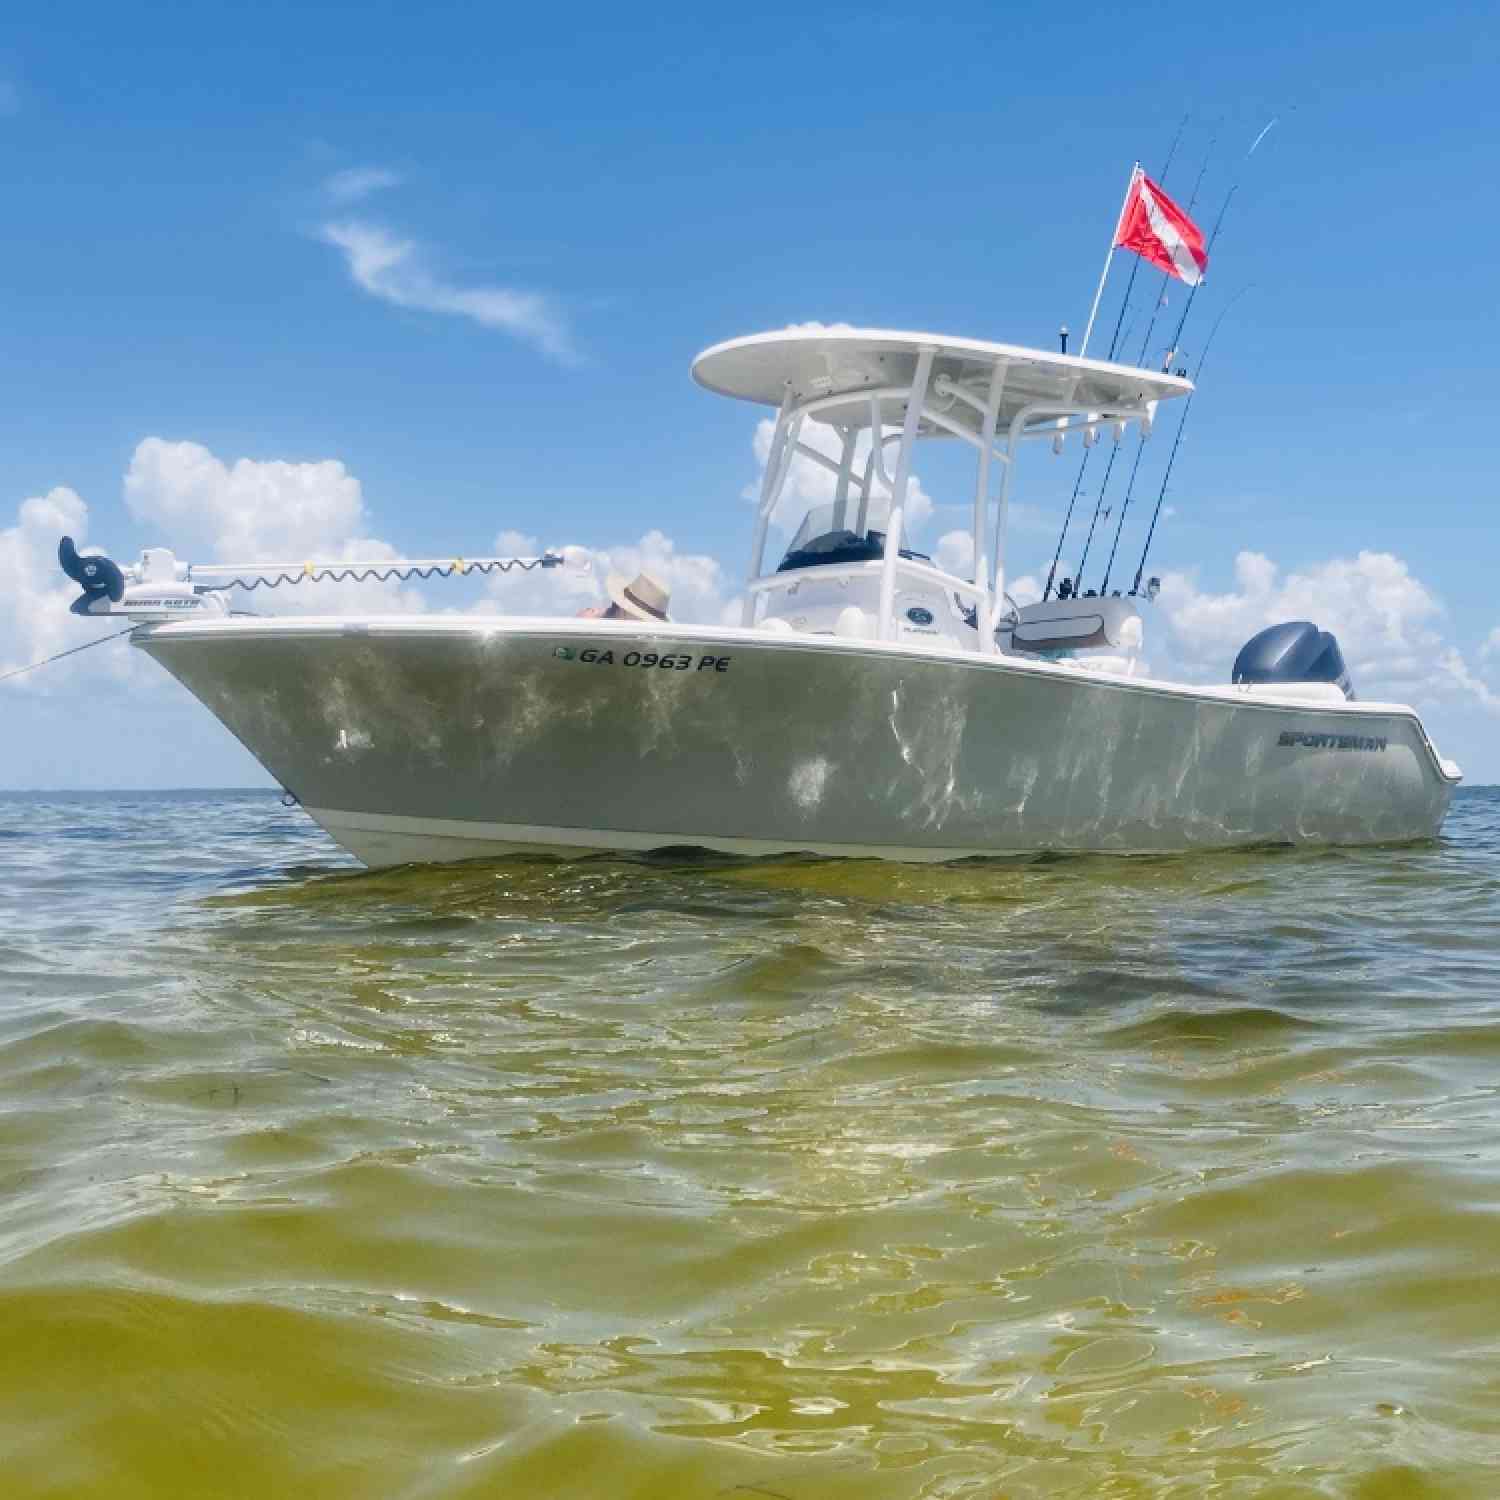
(394, 270)
(355, 183)
(540, 591)
(955, 553)
(1453, 678)
(262, 511)
(695, 581)
(1386, 621)
(814, 326)
(250, 511)
(1031, 520)
(34, 599)
(808, 483)
(1491, 647)
(1027, 589)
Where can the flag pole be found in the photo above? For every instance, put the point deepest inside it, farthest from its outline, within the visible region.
(1135, 172)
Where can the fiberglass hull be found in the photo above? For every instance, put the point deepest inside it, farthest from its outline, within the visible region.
(450, 740)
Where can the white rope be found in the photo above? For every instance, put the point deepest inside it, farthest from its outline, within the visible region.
(71, 651)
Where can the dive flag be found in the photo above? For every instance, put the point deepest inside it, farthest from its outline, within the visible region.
(1158, 231)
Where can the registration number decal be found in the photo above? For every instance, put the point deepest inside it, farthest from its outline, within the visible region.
(666, 661)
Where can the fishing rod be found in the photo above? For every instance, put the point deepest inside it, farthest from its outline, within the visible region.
(1166, 276)
(1067, 521)
(1140, 360)
(1187, 406)
(1177, 335)
(1113, 345)
(1114, 453)
(1109, 567)
(1218, 225)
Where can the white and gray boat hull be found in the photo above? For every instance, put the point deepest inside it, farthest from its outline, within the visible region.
(439, 740)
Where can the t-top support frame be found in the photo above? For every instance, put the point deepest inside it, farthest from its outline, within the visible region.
(927, 403)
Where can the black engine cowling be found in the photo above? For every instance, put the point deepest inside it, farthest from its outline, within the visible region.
(1295, 651)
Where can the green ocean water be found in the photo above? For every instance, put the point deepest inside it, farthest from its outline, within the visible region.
(1074, 1177)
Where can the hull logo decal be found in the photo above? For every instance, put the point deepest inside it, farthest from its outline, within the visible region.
(1297, 740)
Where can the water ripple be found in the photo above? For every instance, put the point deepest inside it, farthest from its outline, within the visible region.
(702, 1176)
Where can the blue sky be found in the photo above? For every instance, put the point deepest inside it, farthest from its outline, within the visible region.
(588, 197)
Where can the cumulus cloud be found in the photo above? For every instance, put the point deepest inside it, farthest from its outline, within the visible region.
(1031, 520)
(1453, 678)
(356, 183)
(34, 600)
(954, 553)
(808, 483)
(262, 511)
(695, 581)
(396, 271)
(250, 510)
(1385, 618)
(1027, 589)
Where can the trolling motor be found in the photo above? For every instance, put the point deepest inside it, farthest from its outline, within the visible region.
(159, 587)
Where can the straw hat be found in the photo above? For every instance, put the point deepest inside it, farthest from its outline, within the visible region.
(643, 597)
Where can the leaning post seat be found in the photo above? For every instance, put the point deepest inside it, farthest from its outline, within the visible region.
(1071, 627)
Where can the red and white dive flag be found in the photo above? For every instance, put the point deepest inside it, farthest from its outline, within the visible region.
(1158, 231)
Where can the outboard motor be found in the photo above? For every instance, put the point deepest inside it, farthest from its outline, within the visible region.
(1295, 651)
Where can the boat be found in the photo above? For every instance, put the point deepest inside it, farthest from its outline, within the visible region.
(868, 703)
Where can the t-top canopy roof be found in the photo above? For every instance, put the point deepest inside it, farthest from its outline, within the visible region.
(818, 362)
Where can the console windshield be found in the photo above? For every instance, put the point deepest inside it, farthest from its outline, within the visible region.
(825, 537)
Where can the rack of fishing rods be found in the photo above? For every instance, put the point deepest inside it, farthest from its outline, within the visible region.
(1074, 586)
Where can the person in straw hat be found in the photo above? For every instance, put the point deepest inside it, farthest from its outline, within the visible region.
(643, 598)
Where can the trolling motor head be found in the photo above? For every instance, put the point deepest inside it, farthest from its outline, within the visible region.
(156, 588)
(98, 577)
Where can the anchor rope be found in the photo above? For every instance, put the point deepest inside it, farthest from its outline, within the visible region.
(71, 651)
